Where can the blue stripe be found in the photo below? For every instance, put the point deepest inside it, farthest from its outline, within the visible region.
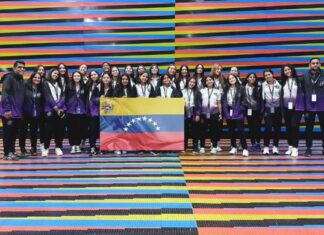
(142, 124)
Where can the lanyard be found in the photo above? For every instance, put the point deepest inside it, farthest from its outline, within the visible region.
(217, 83)
(189, 96)
(144, 90)
(248, 90)
(232, 93)
(290, 87)
(271, 91)
(314, 82)
(125, 92)
(165, 92)
(56, 91)
(209, 95)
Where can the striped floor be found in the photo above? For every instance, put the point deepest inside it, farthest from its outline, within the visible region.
(165, 194)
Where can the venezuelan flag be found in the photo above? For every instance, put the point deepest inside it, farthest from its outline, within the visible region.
(133, 124)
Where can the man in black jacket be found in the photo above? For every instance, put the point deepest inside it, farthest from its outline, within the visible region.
(11, 111)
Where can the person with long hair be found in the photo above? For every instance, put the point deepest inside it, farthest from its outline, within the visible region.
(172, 74)
(63, 75)
(129, 71)
(124, 88)
(211, 113)
(105, 66)
(291, 87)
(144, 88)
(75, 100)
(33, 110)
(184, 75)
(192, 113)
(41, 70)
(139, 71)
(105, 86)
(166, 90)
(236, 72)
(233, 107)
(115, 76)
(83, 69)
(252, 105)
(271, 96)
(93, 103)
(199, 74)
(154, 73)
(54, 107)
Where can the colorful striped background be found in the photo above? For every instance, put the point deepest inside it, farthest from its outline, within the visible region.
(164, 194)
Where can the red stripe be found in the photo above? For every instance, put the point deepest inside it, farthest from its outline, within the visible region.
(258, 196)
(48, 228)
(238, 211)
(260, 231)
(240, 5)
(142, 141)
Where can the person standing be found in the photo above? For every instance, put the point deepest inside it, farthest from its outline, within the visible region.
(12, 108)
(313, 83)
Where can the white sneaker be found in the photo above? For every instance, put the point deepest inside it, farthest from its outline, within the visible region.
(213, 151)
(73, 149)
(294, 152)
(77, 149)
(245, 153)
(233, 151)
(117, 152)
(266, 151)
(275, 150)
(219, 149)
(202, 150)
(44, 152)
(288, 152)
(41, 147)
(58, 152)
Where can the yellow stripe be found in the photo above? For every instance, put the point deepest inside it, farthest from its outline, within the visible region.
(127, 200)
(222, 217)
(142, 106)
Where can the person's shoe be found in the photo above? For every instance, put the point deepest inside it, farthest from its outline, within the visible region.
(233, 151)
(239, 147)
(33, 152)
(245, 153)
(294, 152)
(45, 152)
(92, 152)
(23, 153)
(308, 152)
(58, 152)
(117, 152)
(252, 148)
(73, 150)
(266, 151)
(82, 144)
(219, 149)
(257, 147)
(77, 149)
(288, 152)
(202, 151)
(124, 152)
(11, 157)
(213, 151)
(275, 150)
(41, 147)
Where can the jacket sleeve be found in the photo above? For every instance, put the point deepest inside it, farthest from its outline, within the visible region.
(6, 90)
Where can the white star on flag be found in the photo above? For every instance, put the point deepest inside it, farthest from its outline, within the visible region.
(133, 120)
(144, 118)
(125, 129)
(129, 124)
(138, 119)
(157, 128)
(154, 123)
(150, 120)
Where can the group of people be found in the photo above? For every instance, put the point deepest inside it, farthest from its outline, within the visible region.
(55, 101)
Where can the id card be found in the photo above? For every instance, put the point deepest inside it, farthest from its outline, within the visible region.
(272, 110)
(208, 115)
(231, 112)
(290, 105)
(249, 112)
(78, 110)
(189, 114)
(314, 97)
(35, 113)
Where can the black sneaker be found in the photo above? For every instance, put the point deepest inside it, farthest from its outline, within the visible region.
(308, 153)
(92, 152)
(23, 153)
(33, 152)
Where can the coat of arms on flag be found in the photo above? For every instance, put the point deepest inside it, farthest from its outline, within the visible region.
(134, 124)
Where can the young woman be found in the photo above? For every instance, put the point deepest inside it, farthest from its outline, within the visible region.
(105, 67)
(172, 73)
(105, 87)
(115, 76)
(166, 90)
(139, 71)
(252, 104)
(184, 75)
(130, 72)
(93, 103)
(291, 88)
(236, 72)
(219, 84)
(144, 88)
(125, 89)
(83, 69)
(211, 114)
(233, 99)
(32, 109)
(155, 76)
(63, 76)
(192, 113)
(271, 95)
(41, 70)
(200, 76)
(75, 100)
(54, 107)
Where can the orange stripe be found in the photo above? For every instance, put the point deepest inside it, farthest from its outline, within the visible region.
(260, 231)
(254, 211)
